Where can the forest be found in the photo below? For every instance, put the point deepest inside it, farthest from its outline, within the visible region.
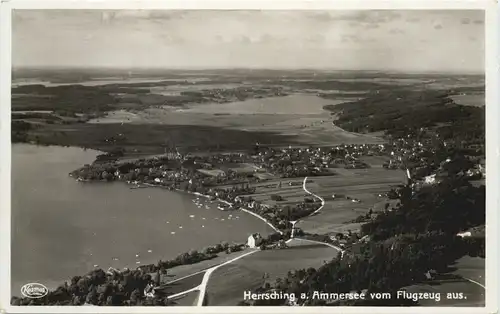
(398, 112)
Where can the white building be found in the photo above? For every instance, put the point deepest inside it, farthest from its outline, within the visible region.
(254, 240)
(430, 179)
(464, 234)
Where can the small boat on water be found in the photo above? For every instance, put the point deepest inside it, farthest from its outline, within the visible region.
(138, 187)
(224, 206)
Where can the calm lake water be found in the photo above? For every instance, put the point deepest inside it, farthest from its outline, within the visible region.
(62, 228)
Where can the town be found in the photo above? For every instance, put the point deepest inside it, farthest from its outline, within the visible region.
(232, 178)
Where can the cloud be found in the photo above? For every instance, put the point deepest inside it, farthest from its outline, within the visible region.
(271, 39)
(323, 17)
(169, 39)
(413, 20)
(317, 38)
(349, 39)
(396, 31)
(243, 40)
(266, 38)
(167, 15)
(359, 18)
(372, 26)
(148, 14)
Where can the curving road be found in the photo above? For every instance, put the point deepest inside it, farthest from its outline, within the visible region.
(202, 287)
(313, 213)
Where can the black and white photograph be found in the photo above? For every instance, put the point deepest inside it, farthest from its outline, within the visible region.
(242, 157)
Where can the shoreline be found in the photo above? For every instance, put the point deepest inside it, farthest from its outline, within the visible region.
(262, 218)
(149, 185)
(225, 202)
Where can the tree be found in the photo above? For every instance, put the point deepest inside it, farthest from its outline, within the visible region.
(157, 278)
(109, 301)
(76, 300)
(276, 197)
(135, 296)
(92, 297)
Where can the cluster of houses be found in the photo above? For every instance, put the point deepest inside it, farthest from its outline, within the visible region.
(297, 162)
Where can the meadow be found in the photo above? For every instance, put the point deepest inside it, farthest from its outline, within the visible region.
(227, 284)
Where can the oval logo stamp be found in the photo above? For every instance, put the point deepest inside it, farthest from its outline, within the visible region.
(34, 290)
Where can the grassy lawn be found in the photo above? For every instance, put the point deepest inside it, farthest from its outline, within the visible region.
(472, 294)
(471, 268)
(186, 270)
(212, 172)
(188, 299)
(362, 184)
(227, 284)
(456, 282)
(184, 284)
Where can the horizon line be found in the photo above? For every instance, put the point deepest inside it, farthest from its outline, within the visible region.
(311, 69)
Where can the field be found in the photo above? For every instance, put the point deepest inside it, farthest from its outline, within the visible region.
(456, 281)
(227, 284)
(291, 194)
(362, 184)
(292, 104)
(212, 172)
(230, 109)
(152, 138)
(188, 299)
(301, 117)
(184, 284)
(471, 268)
(208, 112)
(182, 271)
(477, 100)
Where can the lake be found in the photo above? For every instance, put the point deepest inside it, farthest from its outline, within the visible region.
(62, 228)
(300, 104)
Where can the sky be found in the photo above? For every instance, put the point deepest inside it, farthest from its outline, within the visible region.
(409, 40)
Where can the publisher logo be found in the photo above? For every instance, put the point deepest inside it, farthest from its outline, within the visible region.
(34, 290)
